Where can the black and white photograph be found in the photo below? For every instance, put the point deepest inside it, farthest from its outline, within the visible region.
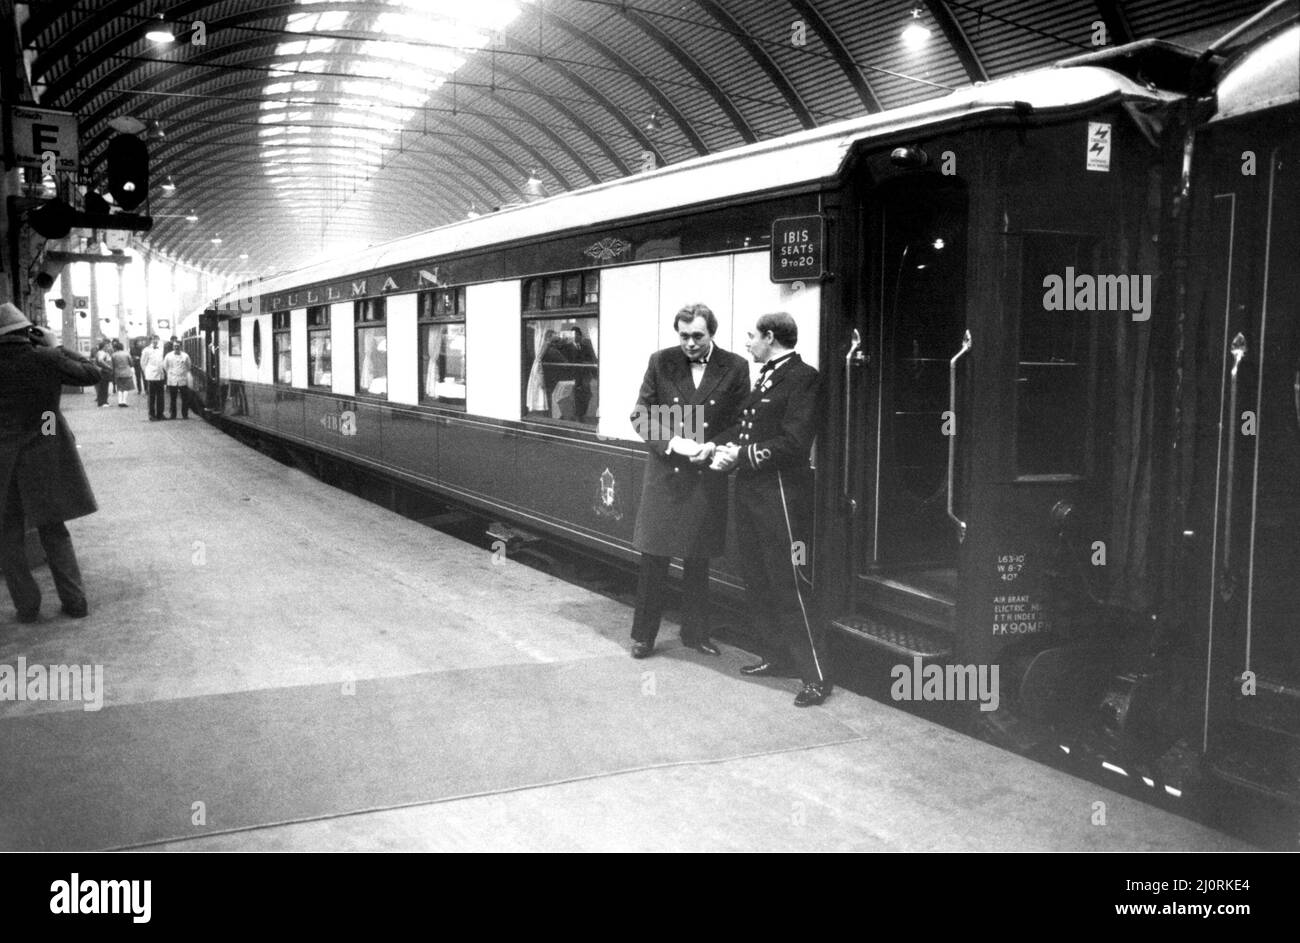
(669, 426)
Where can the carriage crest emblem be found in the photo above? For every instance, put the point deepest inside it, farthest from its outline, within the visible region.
(609, 505)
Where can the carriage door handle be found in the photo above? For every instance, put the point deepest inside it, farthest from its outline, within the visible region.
(952, 439)
(1238, 350)
(853, 358)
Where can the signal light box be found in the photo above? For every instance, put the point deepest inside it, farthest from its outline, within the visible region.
(798, 248)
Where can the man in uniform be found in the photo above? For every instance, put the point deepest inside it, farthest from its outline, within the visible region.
(769, 449)
(176, 369)
(155, 375)
(42, 483)
(688, 391)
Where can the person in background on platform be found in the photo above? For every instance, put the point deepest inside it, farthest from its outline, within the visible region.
(177, 366)
(688, 389)
(552, 357)
(151, 365)
(769, 449)
(123, 373)
(103, 360)
(136, 348)
(42, 482)
(583, 353)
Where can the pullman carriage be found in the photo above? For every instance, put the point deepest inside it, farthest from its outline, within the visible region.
(998, 289)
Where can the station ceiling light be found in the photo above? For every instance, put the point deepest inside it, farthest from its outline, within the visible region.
(169, 185)
(216, 240)
(126, 124)
(159, 32)
(192, 217)
(652, 124)
(915, 33)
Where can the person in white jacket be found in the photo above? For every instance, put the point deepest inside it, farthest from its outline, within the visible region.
(177, 366)
(151, 365)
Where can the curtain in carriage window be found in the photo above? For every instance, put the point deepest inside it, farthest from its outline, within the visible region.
(536, 392)
(433, 334)
(372, 377)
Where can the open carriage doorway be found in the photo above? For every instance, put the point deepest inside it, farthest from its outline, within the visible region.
(920, 283)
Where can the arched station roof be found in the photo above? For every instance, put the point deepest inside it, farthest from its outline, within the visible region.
(297, 130)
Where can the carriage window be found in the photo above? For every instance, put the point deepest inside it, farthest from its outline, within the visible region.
(442, 346)
(561, 338)
(372, 347)
(236, 338)
(280, 344)
(319, 371)
(1055, 360)
(552, 293)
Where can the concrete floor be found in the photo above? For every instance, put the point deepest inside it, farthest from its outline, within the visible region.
(212, 569)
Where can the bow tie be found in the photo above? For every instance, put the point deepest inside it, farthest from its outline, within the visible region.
(773, 364)
(700, 362)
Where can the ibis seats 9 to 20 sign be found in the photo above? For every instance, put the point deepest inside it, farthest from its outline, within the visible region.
(798, 248)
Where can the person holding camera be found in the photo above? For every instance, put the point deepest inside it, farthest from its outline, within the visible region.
(42, 482)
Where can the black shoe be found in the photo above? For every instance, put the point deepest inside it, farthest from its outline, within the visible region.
(77, 612)
(642, 649)
(705, 647)
(813, 693)
(763, 668)
(31, 616)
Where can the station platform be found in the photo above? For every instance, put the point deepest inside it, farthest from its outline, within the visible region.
(286, 667)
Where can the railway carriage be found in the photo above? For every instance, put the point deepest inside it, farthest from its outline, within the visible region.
(1018, 298)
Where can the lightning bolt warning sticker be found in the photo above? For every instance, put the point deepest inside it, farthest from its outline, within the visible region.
(1099, 145)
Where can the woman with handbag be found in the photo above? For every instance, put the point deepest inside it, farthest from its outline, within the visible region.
(123, 373)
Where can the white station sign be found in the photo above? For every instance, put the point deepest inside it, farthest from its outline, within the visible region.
(38, 131)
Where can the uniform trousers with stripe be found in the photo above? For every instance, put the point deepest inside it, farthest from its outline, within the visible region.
(773, 512)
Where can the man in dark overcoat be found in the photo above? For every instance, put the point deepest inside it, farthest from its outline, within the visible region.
(688, 392)
(42, 483)
(769, 450)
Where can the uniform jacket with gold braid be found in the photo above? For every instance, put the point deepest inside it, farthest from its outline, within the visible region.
(683, 510)
(778, 421)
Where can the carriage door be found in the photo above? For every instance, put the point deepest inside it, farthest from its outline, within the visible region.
(907, 574)
(208, 362)
(1253, 596)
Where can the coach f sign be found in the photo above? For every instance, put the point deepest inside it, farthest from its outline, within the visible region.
(102, 897)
